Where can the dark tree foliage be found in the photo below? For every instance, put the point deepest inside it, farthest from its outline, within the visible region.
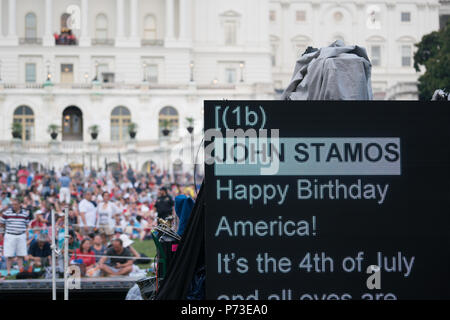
(433, 52)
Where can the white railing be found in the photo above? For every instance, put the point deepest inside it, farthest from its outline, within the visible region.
(120, 86)
(75, 147)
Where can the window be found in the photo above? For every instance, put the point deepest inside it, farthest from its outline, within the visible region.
(25, 116)
(102, 70)
(406, 56)
(72, 124)
(376, 55)
(120, 119)
(65, 17)
(150, 27)
(30, 72)
(406, 16)
(300, 16)
(230, 27)
(151, 73)
(272, 15)
(168, 119)
(230, 75)
(30, 26)
(101, 27)
(66, 73)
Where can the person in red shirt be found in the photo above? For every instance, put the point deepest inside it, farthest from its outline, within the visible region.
(84, 256)
(38, 221)
(23, 175)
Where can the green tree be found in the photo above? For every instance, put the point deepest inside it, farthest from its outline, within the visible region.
(433, 52)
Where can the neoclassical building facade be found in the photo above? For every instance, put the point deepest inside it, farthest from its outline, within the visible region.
(387, 29)
(109, 63)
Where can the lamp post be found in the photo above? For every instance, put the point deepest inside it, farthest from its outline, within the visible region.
(96, 71)
(241, 66)
(49, 75)
(86, 76)
(191, 66)
(144, 72)
(190, 129)
(165, 145)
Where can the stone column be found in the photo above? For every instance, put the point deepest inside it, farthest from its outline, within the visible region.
(48, 39)
(119, 19)
(185, 15)
(1, 24)
(12, 18)
(169, 19)
(85, 40)
(134, 40)
(11, 38)
(133, 18)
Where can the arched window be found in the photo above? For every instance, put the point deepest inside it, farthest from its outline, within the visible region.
(120, 119)
(64, 21)
(30, 26)
(72, 124)
(25, 116)
(101, 26)
(168, 119)
(230, 23)
(150, 27)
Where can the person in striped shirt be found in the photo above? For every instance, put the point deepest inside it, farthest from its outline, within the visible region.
(14, 221)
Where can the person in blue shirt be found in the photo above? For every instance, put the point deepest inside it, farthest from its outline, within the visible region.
(30, 180)
(64, 191)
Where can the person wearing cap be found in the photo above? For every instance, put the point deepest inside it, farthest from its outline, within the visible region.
(37, 226)
(40, 252)
(38, 221)
(127, 243)
(164, 204)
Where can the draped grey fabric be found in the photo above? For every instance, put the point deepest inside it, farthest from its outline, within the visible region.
(337, 72)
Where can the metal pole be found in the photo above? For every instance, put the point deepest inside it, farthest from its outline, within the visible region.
(53, 257)
(66, 252)
(192, 148)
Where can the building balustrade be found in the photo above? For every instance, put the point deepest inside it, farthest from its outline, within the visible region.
(37, 41)
(121, 86)
(78, 147)
(152, 42)
(102, 42)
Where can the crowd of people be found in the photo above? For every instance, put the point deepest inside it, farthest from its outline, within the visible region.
(107, 211)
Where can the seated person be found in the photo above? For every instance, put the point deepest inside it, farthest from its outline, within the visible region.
(74, 243)
(98, 247)
(40, 252)
(84, 256)
(119, 264)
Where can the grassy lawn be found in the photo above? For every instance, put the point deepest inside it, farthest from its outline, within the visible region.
(147, 247)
